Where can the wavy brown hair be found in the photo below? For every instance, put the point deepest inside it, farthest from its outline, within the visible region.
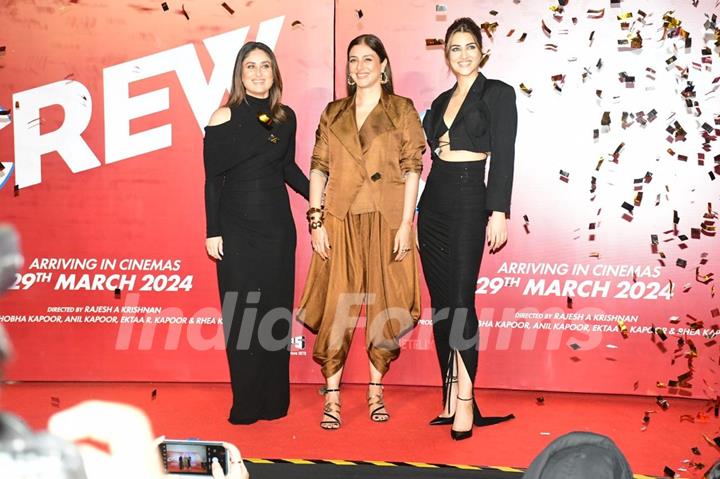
(237, 91)
(377, 46)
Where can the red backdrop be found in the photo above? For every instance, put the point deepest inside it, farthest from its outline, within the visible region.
(107, 103)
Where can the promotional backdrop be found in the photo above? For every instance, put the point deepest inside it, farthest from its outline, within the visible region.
(607, 281)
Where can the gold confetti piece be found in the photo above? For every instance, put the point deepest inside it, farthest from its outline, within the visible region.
(596, 13)
(441, 7)
(164, 6)
(622, 327)
(227, 7)
(525, 89)
(522, 38)
(296, 23)
(184, 12)
(703, 278)
(118, 293)
(662, 402)
(489, 28)
(485, 58)
(359, 13)
(153, 395)
(509, 34)
(54, 401)
(545, 28)
(493, 12)
(605, 121)
(433, 42)
(540, 400)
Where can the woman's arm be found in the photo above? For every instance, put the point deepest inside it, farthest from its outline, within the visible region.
(411, 151)
(319, 172)
(292, 173)
(404, 239)
(212, 151)
(503, 125)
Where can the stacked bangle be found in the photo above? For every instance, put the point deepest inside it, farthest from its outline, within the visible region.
(314, 224)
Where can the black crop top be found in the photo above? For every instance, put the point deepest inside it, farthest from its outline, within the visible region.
(485, 122)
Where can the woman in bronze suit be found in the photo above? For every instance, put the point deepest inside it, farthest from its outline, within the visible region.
(366, 162)
(472, 121)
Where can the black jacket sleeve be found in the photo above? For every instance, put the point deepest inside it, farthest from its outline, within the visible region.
(503, 125)
(291, 171)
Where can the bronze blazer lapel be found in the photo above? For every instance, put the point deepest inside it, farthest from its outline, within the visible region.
(344, 128)
(382, 119)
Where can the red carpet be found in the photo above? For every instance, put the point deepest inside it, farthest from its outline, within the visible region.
(200, 411)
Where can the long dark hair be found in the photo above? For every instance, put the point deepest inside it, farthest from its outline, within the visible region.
(377, 46)
(237, 91)
(466, 25)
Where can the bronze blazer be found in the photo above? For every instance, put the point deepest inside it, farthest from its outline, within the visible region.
(389, 145)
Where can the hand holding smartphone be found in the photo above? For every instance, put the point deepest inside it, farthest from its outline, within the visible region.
(193, 458)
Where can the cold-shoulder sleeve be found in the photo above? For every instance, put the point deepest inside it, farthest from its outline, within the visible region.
(502, 159)
(291, 171)
(216, 153)
(413, 140)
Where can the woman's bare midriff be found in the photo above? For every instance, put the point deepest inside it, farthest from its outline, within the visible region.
(446, 154)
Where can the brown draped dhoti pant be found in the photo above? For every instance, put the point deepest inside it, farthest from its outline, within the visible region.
(361, 267)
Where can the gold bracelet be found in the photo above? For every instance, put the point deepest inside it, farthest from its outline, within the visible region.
(313, 225)
(314, 210)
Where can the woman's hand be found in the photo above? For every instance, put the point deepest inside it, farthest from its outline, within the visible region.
(236, 466)
(403, 241)
(496, 231)
(320, 242)
(214, 247)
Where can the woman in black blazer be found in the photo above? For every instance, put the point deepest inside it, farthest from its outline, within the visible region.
(472, 121)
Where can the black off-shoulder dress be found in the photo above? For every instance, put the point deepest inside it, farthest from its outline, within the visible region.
(247, 165)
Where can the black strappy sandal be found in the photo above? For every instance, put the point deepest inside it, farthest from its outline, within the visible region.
(375, 404)
(330, 410)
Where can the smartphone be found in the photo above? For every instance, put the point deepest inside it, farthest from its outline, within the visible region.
(192, 457)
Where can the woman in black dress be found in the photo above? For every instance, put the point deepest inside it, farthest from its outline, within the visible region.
(472, 121)
(249, 155)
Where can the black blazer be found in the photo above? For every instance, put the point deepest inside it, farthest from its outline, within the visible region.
(486, 122)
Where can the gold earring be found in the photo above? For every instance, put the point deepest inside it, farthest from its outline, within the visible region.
(384, 77)
(350, 81)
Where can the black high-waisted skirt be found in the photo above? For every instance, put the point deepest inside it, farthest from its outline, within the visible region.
(451, 233)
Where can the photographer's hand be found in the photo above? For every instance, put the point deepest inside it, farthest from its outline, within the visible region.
(236, 466)
(124, 429)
